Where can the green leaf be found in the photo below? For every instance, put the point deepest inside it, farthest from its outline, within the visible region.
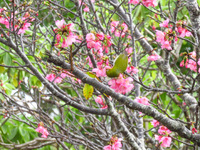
(13, 133)
(7, 59)
(24, 133)
(87, 91)
(90, 74)
(15, 82)
(4, 129)
(2, 69)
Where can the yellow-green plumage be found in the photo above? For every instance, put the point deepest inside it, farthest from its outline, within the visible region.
(120, 66)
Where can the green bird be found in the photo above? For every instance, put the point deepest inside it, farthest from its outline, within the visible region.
(120, 65)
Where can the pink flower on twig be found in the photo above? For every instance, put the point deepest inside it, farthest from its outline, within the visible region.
(115, 144)
(42, 130)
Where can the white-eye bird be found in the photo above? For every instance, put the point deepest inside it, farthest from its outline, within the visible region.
(120, 65)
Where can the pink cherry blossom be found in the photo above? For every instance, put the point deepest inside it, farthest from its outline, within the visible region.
(45, 133)
(164, 140)
(4, 21)
(64, 43)
(100, 71)
(118, 30)
(51, 77)
(160, 36)
(116, 144)
(166, 44)
(71, 38)
(192, 65)
(129, 50)
(164, 130)
(70, 27)
(188, 33)
(2, 9)
(106, 49)
(63, 75)
(186, 64)
(132, 69)
(121, 85)
(90, 37)
(102, 66)
(124, 27)
(155, 123)
(65, 34)
(24, 27)
(183, 32)
(165, 23)
(114, 25)
(182, 63)
(134, 2)
(96, 45)
(42, 130)
(193, 54)
(21, 24)
(86, 9)
(100, 36)
(60, 23)
(142, 100)
(149, 3)
(100, 101)
(108, 147)
(153, 57)
(92, 42)
(58, 38)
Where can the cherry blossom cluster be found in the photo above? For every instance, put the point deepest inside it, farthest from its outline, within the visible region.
(100, 101)
(165, 38)
(118, 29)
(20, 25)
(146, 3)
(163, 138)
(102, 66)
(58, 79)
(190, 62)
(98, 42)
(41, 129)
(121, 85)
(182, 32)
(65, 34)
(54, 78)
(153, 57)
(132, 70)
(115, 144)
